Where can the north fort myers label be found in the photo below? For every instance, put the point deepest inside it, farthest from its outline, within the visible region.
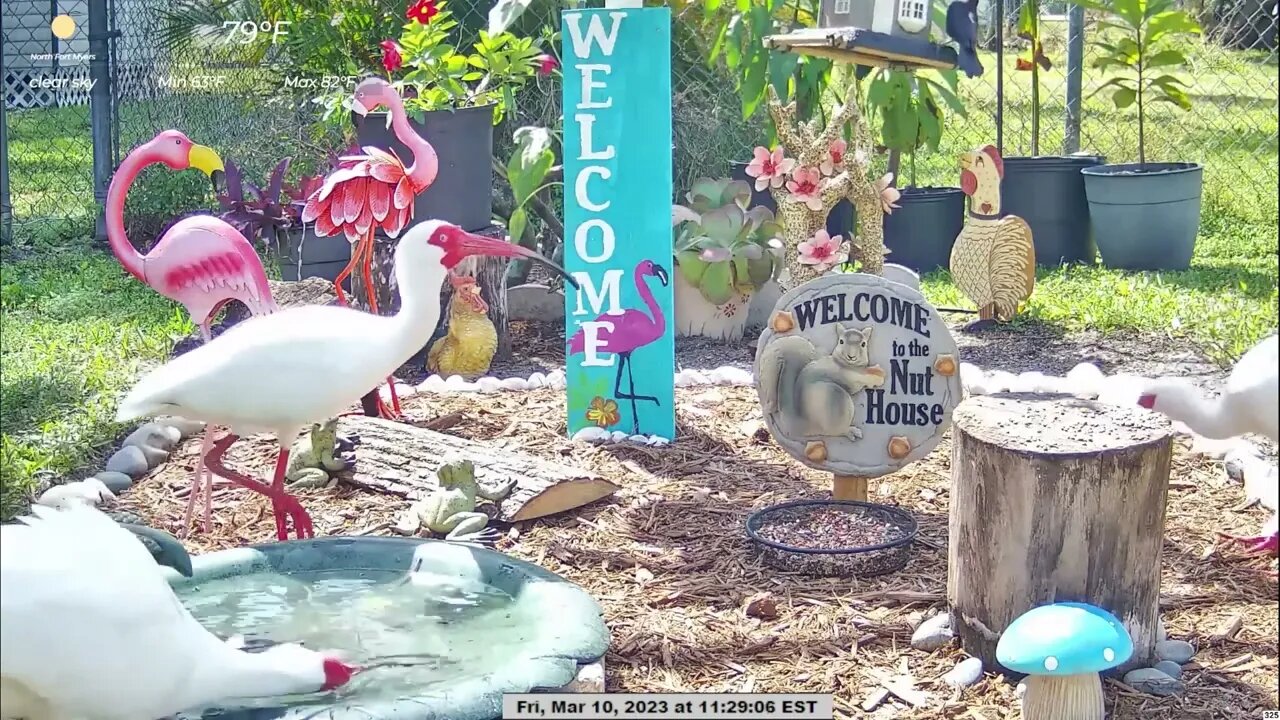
(857, 375)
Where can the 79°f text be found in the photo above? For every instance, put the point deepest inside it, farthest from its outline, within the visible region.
(666, 706)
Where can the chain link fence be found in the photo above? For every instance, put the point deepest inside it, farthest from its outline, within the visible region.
(242, 106)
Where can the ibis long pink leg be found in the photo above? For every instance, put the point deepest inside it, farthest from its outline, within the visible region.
(284, 506)
(196, 485)
(366, 273)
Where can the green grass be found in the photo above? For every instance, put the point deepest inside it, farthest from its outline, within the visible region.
(77, 330)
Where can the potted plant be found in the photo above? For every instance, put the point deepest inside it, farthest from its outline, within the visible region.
(908, 108)
(453, 98)
(1145, 215)
(725, 251)
(1047, 190)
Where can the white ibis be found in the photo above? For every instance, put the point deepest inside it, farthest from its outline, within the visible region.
(1248, 404)
(93, 630)
(282, 372)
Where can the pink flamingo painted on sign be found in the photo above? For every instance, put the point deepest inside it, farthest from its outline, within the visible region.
(201, 262)
(632, 330)
(373, 190)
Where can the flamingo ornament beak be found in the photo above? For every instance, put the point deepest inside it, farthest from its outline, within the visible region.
(661, 272)
(463, 244)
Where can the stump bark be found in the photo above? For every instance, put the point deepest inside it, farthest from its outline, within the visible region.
(1055, 499)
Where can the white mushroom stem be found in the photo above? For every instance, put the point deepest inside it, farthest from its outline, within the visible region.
(1063, 697)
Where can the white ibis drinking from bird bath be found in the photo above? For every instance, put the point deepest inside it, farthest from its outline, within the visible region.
(283, 372)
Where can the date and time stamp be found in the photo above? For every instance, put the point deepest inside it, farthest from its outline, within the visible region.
(667, 706)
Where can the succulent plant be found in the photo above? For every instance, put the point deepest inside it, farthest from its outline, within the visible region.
(722, 246)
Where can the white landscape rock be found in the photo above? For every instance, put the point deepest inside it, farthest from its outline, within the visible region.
(933, 633)
(1177, 651)
(966, 672)
(128, 460)
(186, 428)
(1153, 682)
(116, 482)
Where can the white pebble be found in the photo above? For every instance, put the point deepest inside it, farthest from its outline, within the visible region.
(489, 385)
(639, 439)
(1084, 379)
(735, 375)
(456, 382)
(515, 384)
(591, 434)
(933, 633)
(966, 672)
(999, 381)
(556, 379)
(537, 380)
(434, 383)
(617, 436)
(682, 379)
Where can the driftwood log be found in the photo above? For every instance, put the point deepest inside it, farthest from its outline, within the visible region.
(402, 460)
(1055, 499)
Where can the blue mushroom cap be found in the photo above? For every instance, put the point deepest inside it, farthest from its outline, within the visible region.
(1065, 638)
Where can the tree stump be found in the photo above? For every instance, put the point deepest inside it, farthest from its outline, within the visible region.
(1055, 499)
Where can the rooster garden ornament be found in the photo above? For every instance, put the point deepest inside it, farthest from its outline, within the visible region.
(993, 261)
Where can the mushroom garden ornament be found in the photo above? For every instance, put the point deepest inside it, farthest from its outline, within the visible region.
(1062, 647)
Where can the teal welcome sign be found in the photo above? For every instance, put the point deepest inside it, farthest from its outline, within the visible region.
(620, 364)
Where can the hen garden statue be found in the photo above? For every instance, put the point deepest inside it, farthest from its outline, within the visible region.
(471, 340)
(993, 261)
(281, 373)
(201, 262)
(371, 191)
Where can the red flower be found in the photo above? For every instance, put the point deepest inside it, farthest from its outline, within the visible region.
(546, 64)
(422, 11)
(391, 59)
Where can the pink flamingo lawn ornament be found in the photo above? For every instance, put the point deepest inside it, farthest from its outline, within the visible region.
(201, 262)
(370, 191)
(632, 329)
(282, 372)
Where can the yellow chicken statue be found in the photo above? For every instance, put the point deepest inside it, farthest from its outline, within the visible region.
(471, 339)
(993, 261)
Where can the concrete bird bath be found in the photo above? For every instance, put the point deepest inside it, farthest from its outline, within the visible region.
(486, 623)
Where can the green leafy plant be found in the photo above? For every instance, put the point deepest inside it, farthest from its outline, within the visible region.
(722, 247)
(1136, 45)
(430, 73)
(1033, 61)
(527, 172)
(737, 31)
(908, 109)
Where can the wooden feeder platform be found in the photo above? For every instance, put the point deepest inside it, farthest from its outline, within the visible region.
(859, 46)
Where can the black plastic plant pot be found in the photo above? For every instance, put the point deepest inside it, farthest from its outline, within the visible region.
(921, 231)
(839, 220)
(303, 254)
(1146, 217)
(463, 140)
(791, 537)
(1048, 192)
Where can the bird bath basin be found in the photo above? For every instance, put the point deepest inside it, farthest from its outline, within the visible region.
(488, 623)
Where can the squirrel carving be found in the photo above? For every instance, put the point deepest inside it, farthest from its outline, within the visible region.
(812, 397)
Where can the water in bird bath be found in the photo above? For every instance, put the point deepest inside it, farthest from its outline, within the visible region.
(454, 635)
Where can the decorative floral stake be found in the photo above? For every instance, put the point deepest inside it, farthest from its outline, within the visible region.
(823, 252)
(827, 170)
(770, 169)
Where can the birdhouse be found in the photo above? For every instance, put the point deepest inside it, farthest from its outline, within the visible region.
(897, 18)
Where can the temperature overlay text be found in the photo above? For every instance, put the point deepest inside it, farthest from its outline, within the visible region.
(666, 706)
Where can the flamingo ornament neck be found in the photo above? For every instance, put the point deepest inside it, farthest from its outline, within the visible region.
(132, 260)
(426, 164)
(646, 296)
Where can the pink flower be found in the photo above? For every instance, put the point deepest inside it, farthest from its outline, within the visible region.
(835, 156)
(769, 168)
(805, 187)
(822, 251)
(546, 64)
(391, 59)
(889, 195)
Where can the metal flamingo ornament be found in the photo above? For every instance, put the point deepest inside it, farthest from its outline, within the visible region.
(373, 190)
(631, 330)
(283, 372)
(201, 262)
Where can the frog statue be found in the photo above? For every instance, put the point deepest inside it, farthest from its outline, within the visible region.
(451, 508)
(313, 459)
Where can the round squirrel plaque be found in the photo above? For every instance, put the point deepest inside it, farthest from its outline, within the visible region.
(857, 375)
